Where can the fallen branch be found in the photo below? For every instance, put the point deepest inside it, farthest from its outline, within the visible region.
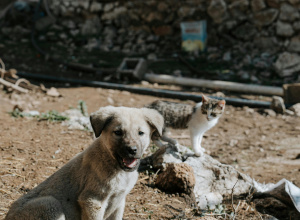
(16, 87)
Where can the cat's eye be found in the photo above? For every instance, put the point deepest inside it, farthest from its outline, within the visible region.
(141, 133)
(118, 132)
(213, 114)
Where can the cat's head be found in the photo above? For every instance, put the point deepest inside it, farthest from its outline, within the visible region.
(212, 108)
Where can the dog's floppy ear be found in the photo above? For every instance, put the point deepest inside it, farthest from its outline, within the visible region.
(155, 119)
(101, 118)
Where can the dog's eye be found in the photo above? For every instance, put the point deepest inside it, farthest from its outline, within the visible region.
(141, 133)
(118, 132)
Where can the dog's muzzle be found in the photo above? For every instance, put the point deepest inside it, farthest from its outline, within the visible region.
(129, 160)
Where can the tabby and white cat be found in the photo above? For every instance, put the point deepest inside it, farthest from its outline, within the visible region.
(198, 119)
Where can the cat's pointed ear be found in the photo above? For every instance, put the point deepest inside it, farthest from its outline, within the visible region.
(222, 104)
(204, 98)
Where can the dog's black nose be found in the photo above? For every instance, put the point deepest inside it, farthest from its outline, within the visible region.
(132, 150)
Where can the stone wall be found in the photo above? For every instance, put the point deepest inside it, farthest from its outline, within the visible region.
(257, 26)
(264, 23)
(264, 34)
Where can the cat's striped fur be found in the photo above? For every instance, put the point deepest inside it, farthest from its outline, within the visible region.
(198, 119)
(176, 115)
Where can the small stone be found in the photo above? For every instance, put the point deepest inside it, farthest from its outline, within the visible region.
(110, 100)
(145, 83)
(289, 112)
(265, 17)
(239, 8)
(108, 7)
(163, 30)
(295, 44)
(257, 5)
(227, 56)
(273, 3)
(96, 6)
(270, 112)
(53, 92)
(177, 73)
(284, 29)
(151, 56)
(244, 75)
(296, 109)
(217, 9)
(288, 12)
(278, 105)
(69, 24)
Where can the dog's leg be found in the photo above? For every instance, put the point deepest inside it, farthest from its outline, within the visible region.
(39, 208)
(92, 209)
(118, 213)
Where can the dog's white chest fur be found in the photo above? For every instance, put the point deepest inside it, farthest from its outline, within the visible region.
(118, 187)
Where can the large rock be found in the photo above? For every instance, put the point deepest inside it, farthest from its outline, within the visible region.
(177, 177)
(288, 12)
(264, 18)
(217, 10)
(284, 29)
(213, 179)
(287, 64)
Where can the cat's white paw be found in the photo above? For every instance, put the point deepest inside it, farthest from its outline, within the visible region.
(200, 152)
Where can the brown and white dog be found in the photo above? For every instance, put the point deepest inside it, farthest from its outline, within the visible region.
(94, 184)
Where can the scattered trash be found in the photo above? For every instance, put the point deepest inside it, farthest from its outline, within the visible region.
(53, 92)
(193, 35)
(78, 118)
(284, 190)
(77, 121)
(133, 67)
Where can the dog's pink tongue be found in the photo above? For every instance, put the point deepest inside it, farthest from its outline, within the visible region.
(130, 162)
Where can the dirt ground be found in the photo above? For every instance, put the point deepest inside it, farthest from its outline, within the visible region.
(267, 148)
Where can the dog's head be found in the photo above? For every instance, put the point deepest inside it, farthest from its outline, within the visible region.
(126, 132)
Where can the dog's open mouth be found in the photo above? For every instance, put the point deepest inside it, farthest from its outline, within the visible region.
(129, 164)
